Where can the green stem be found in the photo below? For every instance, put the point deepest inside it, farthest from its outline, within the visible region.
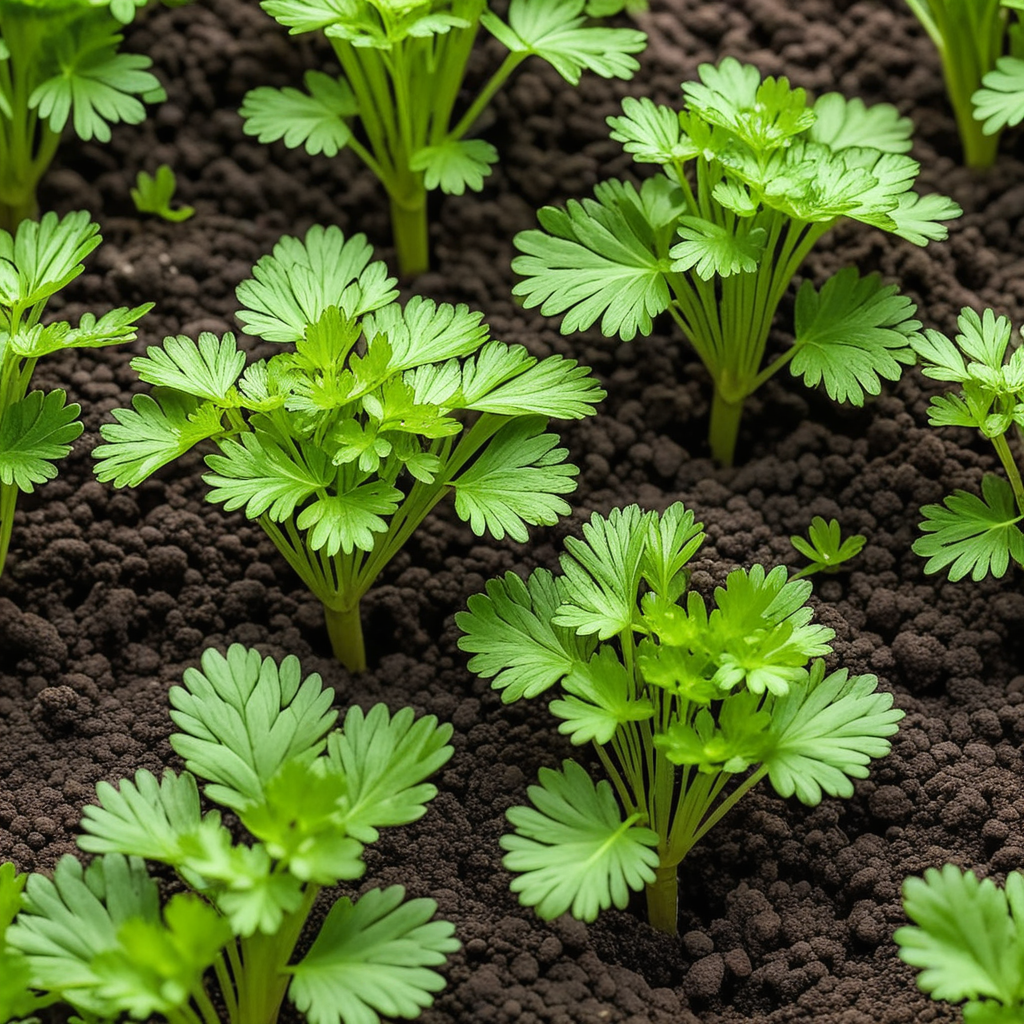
(1005, 457)
(724, 428)
(410, 231)
(663, 899)
(345, 628)
(8, 499)
(15, 207)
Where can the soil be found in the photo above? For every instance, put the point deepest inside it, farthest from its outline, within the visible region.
(787, 912)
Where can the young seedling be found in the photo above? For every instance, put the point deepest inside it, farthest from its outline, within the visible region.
(825, 547)
(971, 37)
(718, 248)
(341, 445)
(403, 67)
(153, 194)
(968, 534)
(59, 64)
(263, 740)
(968, 938)
(687, 708)
(37, 429)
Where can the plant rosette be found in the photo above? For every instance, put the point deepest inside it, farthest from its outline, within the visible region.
(342, 445)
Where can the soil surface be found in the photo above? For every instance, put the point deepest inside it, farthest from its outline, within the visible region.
(787, 913)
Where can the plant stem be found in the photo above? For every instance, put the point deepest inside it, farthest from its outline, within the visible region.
(16, 208)
(410, 232)
(724, 428)
(8, 498)
(345, 628)
(663, 899)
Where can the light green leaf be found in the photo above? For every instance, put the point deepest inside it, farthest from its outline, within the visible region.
(423, 332)
(259, 475)
(209, 369)
(593, 260)
(242, 717)
(601, 697)
(157, 965)
(559, 34)
(825, 547)
(712, 250)
(1000, 101)
(44, 256)
(384, 759)
(963, 936)
(371, 959)
(843, 123)
(291, 288)
(512, 636)
(144, 818)
(825, 731)
(651, 133)
(36, 431)
(153, 194)
(851, 334)
(971, 534)
(515, 482)
(96, 86)
(917, 217)
(455, 165)
(114, 328)
(151, 434)
(572, 849)
(70, 920)
(602, 573)
(349, 519)
(314, 119)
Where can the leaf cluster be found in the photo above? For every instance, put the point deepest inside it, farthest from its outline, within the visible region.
(681, 698)
(264, 742)
(62, 65)
(341, 444)
(403, 67)
(968, 534)
(37, 428)
(967, 938)
(825, 547)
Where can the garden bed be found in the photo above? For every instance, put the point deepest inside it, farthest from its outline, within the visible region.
(787, 913)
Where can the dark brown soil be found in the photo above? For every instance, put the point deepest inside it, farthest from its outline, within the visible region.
(787, 912)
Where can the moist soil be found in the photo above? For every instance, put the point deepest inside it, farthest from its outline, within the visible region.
(787, 913)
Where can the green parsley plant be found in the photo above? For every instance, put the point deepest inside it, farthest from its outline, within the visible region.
(687, 707)
(403, 64)
(752, 175)
(263, 741)
(967, 533)
(153, 194)
(825, 547)
(986, 89)
(60, 65)
(37, 429)
(968, 939)
(343, 443)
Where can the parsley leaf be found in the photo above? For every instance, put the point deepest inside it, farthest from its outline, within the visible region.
(968, 534)
(572, 849)
(153, 194)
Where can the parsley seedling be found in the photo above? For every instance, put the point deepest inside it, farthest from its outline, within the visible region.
(37, 429)
(263, 740)
(153, 194)
(59, 64)
(968, 534)
(825, 547)
(403, 65)
(343, 444)
(771, 174)
(986, 89)
(687, 708)
(968, 938)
